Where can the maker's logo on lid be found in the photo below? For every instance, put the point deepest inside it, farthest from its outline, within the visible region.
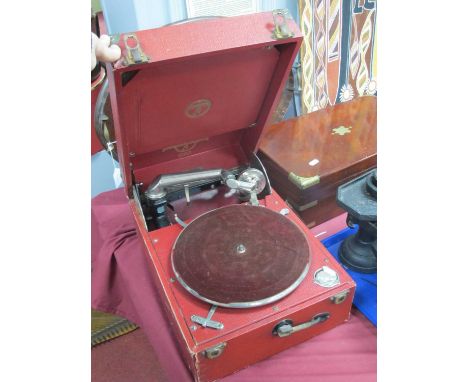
(198, 108)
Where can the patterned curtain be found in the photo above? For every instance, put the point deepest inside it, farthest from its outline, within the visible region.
(338, 55)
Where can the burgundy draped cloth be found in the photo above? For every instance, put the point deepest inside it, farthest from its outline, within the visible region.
(123, 285)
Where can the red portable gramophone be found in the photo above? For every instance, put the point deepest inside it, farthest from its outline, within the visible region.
(239, 273)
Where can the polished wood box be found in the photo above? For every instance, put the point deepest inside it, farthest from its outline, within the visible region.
(309, 157)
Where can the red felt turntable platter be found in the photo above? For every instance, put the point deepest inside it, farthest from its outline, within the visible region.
(241, 256)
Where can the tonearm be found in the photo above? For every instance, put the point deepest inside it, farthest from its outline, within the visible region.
(251, 181)
(164, 184)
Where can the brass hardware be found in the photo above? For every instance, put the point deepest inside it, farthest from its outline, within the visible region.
(134, 55)
(281, 26)
(215, 351)
(306, 206)
(340, 297)
(303, 183)
(285, 328)
(342, 130)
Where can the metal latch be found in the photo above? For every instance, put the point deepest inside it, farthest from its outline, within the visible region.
(215, 351)
(286, 328)
(135, 54)
(281, 26)
(340, 297)
(207, 322)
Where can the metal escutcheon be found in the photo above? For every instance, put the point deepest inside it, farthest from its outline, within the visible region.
(286, 328)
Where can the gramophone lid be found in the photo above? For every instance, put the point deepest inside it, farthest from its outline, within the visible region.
(207, 88)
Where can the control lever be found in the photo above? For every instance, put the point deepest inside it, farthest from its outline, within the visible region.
(208, 322)
(240, 185)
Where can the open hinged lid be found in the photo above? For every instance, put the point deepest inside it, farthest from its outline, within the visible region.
(203, 96)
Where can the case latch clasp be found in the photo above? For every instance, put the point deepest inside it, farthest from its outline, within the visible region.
(281, 26)
(134, 54)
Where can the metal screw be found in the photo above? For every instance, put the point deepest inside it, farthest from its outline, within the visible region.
(155, 240)
(276, 308)
(193, 327)
(131, 154)
(171, 280)
(241, 249)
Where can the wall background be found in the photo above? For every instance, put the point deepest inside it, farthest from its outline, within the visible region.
(338, 53)
(129, 15)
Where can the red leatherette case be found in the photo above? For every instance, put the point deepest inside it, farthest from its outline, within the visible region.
(202, 101)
